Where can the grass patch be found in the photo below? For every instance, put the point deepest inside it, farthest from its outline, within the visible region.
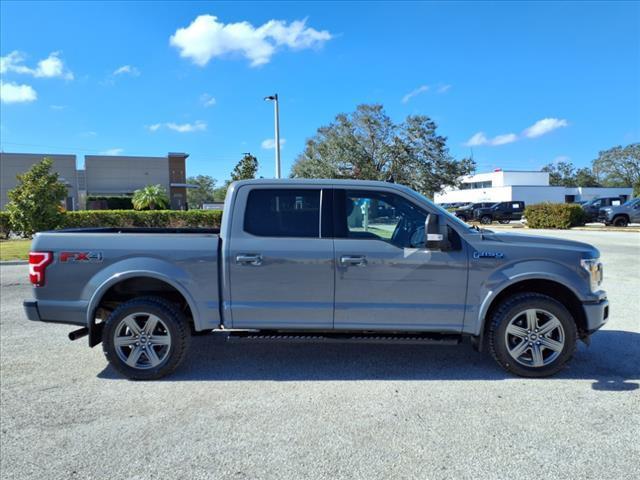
(14, 249)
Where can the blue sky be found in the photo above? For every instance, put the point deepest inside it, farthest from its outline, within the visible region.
(521, 84)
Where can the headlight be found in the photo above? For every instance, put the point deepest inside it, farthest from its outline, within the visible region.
(594, 267)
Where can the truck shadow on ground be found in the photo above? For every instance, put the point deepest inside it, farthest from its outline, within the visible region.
(612, 362)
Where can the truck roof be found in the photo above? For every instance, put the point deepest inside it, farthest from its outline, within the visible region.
(319, 181)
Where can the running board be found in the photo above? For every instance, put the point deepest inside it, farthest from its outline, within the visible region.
(295, 337)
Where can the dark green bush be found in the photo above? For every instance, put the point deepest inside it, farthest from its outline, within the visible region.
(111, 203)
(554, 215)
(5, 224)
(145, 218)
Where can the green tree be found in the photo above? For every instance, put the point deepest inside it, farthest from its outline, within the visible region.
(245, 169)
(619, 167)
(566, 175)
(151, 197)
(368, 145)
(36, 203)
(204, 193)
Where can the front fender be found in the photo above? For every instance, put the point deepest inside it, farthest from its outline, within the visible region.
(513, 273)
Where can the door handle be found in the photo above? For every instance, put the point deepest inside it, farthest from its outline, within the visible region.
(249, 259)
(358, 260)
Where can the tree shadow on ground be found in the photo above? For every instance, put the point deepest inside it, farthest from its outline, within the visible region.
(612, 361)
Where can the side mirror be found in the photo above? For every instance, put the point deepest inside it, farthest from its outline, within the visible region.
(435, 235)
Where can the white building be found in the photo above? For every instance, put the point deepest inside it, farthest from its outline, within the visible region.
(530, 187)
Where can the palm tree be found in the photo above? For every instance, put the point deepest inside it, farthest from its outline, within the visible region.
(151, 197)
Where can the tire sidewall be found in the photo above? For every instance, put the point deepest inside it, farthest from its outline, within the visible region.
(175, 323)
(620, 222)
(513, 307)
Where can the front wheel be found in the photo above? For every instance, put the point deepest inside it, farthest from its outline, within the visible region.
(145, 338)
(620, 221)
(504, 222)
(532, 335)
(485, 219)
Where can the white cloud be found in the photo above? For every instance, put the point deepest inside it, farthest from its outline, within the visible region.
(544, 126)
(197, 126)
(444, 88)
(206, 38)
(503, 139)
(57, 107)
(481, 139)
(207, 100)
(126, 70)
(50, 67)
(112, 151)
(414, 93)
(89, 134)
(270, 143)
(477, 140)
(14, 93)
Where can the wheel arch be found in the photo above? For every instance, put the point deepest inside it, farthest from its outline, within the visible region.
(545, 286)
(122, 287)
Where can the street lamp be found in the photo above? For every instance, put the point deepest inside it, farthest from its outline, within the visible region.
(274, 99)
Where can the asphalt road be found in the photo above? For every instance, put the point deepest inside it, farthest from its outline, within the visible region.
(314, 411)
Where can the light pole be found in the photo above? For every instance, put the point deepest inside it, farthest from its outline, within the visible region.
(274, 99)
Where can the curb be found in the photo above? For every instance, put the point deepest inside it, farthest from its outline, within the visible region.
(13, 262)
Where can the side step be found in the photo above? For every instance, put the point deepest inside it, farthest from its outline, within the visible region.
(310, 337)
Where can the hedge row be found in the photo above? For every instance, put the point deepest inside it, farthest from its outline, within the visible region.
(130, 218)
(145, 218)
(554, 215)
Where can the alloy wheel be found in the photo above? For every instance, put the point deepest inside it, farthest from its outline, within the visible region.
(534, 338)
(142, 340)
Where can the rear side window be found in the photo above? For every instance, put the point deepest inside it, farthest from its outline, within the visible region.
(283, 213)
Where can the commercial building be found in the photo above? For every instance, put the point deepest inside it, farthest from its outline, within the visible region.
(528, 186)
(103, 175)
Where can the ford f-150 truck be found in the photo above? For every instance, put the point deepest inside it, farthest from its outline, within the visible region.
(323, 261)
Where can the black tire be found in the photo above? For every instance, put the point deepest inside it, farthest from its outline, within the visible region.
(462, 217)
(175, 324)
(510, 309)
(620, 221)
(504, 222)
(486, 219)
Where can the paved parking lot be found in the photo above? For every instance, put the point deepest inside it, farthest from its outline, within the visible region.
(315, 411)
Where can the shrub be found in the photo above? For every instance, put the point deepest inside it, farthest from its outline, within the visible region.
(554, 215)
(36, 203)
(5, 224)
(151, 197)
(146, 218)
(109, 203)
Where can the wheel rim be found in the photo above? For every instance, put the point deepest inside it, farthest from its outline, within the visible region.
(534, 338)
(485, 220)
(142, 340)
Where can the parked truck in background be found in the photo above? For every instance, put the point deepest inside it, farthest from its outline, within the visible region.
(592, 207)
(320, 260)
(622, 215)
(502, 212)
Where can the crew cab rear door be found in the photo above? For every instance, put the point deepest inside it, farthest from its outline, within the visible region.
(280, 268)
(385, 278)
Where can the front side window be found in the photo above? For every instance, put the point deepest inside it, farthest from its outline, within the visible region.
(381, 216)
(283, 213)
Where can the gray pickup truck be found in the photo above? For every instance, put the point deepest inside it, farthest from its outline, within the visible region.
(320, 261)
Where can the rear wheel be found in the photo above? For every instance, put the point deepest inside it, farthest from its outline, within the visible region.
(486, 219)
(532, 335)
(621, 221)
(145, 338)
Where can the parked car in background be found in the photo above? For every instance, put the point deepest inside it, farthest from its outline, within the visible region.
(502, 212)
(592, 207)
(622, 215)
(465, 213)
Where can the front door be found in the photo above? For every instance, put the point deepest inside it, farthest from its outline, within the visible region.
(385, 279)
(281, 273)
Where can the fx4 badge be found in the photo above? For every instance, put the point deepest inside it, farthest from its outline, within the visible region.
(478, 255)
(80, 257)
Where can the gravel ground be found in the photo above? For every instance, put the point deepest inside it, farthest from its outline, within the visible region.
(314, 411)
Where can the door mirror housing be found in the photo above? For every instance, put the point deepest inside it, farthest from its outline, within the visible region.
(435, 233)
